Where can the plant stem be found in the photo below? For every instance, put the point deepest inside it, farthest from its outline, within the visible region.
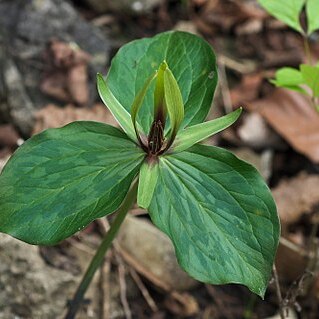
(278, 291)
(100, 253)
(307, 49)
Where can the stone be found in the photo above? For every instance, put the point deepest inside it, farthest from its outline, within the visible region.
(28, 287)
(25, 33)
(128, 6)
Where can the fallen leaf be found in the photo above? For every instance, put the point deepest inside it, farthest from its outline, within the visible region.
(8, 136)
(247, 90)
(224, 15)
(155, 259)
(53, 116)
(292, 116)
(296, 196)
(67, 79)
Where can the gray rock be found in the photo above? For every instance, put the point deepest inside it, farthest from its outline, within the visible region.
(130, 6)
(28, 287)
(25, 32)
(19, 107)
(255, 133)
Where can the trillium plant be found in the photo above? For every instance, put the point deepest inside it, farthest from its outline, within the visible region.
(216, 208)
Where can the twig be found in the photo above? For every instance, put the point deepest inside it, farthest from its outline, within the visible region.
(80, 246)
(105, 290)
(225, 89)
(150, 301)
(307, 49)
(293, 247)
(278, 291)
(121, 272)
(239, 67)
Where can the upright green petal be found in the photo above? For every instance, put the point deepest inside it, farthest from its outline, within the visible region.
(118, 111)
(196, 133)
(173, 102)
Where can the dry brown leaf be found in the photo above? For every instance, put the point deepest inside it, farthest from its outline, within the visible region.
(291, 260)
(292, 116)
(53, 116)
(8, 136)
(296, 196)
(68, 76)
(213, 15)
(247, 90)
(155, 259)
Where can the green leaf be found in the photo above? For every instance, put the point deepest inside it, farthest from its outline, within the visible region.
(289, 78)
(62, 179)
(219, 214)
(190, 59)
(118, 111)
(288, 11)
(311, 77)
(147, 182)
(173, 101)
(312, 11)
(196, 133)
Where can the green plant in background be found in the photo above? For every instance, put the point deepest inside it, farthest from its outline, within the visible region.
(305, 79)
(216, 209)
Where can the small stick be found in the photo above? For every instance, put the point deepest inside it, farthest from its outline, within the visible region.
(225, 89)
(150, 301)
(125, 304)
(278, 291)
(104, 286)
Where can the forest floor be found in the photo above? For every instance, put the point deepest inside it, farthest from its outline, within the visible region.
(45, 82)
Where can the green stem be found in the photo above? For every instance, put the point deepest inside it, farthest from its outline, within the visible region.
(100, 253)
(307, 49)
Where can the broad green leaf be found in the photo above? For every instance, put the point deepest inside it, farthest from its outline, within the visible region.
(219, 214)
(173, 101)
(190, 59)
(311, 77)
(62, 179)
(289, 78)
(118, 111)
(147, 182)
(312, 10)
(196, 133)
(288, 11)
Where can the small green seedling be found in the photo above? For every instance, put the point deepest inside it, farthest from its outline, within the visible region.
(305, 79)
(216, 209)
